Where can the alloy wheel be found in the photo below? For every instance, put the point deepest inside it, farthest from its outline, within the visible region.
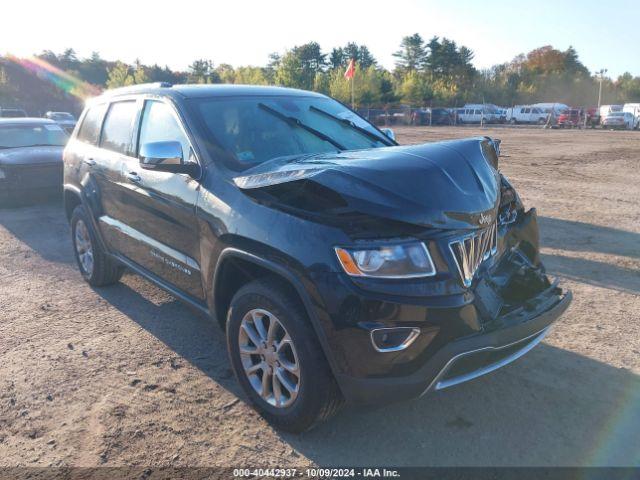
(269, 358)
(84, 249)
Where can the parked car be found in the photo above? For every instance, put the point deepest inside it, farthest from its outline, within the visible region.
(64, 119)
(340, 265)
(619, 120)
(30, 158)
(527, 114)
(633, 109)
(432, 116)
(607, 109)
(574, 117)
(12, 113)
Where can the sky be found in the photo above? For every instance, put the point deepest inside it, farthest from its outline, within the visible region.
(242, 32)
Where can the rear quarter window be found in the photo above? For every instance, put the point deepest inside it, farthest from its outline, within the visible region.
(90, 129)
(118, 127)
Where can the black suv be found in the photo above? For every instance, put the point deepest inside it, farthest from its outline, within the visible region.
(341, 265)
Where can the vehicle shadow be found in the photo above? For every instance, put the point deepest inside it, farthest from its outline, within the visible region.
(553, 407)
(587, 237)
(197, 339)
(584, 238)
(592, 272)
(43, 228)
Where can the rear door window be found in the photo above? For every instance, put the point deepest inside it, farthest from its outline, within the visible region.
(91, 124)
(118, 127)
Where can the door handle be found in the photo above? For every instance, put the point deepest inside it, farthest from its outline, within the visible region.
(89, 161)
(134, 177)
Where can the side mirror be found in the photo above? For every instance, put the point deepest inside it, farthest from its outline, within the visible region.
(389, 133)
(165, 157)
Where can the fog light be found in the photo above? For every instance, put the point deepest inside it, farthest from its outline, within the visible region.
(393, 339)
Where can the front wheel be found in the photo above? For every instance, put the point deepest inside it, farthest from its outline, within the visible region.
(277, 358)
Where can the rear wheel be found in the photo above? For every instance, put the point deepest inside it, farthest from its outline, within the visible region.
(277, 358)
(95, 265)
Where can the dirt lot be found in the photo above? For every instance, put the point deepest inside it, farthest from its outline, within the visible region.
(127, 375)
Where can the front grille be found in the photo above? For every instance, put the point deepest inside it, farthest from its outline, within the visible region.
(471, 250)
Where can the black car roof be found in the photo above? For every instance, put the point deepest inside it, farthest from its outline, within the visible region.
(203, 91)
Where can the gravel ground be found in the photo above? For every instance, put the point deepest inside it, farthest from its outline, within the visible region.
(126, 375)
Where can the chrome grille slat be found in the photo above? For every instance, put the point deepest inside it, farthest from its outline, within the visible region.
(470, 251)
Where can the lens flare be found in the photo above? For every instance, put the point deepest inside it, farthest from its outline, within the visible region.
(61, 79)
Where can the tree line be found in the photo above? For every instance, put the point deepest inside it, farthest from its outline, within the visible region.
(434, 72)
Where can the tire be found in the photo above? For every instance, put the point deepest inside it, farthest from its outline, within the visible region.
(318, 396)
(101, 270)
(513, 121)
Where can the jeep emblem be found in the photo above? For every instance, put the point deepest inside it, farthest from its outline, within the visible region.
(484, 219)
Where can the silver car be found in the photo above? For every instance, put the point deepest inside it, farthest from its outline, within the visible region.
(620, 120)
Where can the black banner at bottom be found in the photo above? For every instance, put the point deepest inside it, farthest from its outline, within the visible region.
(337, 473)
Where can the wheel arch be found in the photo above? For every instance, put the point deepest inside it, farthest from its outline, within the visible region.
(72, 198)
(236, 267)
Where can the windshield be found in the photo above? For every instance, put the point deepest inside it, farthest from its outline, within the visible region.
(14, 136)
(252, 130)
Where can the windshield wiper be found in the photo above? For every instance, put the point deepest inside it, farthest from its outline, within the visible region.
(41, 145)
(297, 122)
(349, 123)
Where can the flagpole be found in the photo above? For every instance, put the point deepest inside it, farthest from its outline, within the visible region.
(353, 100)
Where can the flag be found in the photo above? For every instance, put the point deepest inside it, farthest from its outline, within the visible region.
(351, 69)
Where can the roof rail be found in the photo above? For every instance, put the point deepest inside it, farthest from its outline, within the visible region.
(138, 87)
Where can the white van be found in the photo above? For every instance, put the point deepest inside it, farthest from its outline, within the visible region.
(556, 108)
(633, 109)
(475, 113)
(527, 114)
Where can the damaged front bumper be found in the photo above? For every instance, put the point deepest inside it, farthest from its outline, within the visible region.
(463, 333)
(462, 360)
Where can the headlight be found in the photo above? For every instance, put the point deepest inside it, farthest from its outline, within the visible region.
(405, 260)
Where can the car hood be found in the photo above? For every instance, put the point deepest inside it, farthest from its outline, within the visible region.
(30, 155)
(443, 185)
